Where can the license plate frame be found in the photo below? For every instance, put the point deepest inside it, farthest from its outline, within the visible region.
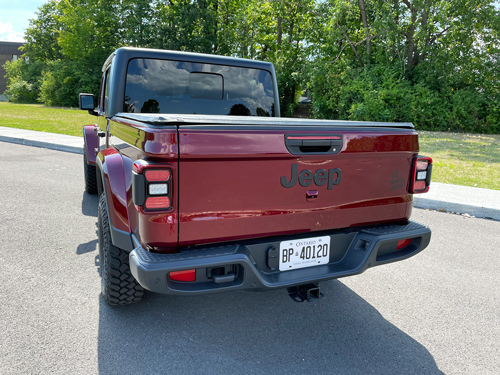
(307, 252)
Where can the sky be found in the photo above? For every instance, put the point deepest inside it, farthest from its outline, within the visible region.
(15, 16)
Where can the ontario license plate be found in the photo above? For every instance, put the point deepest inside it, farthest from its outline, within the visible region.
(303, 253)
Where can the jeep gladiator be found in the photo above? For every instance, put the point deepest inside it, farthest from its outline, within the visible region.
(204, 188)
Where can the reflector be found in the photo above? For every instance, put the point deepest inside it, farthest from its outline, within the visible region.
(403, 243)
(186, 275)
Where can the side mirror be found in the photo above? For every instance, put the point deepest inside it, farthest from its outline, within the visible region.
(87, 103)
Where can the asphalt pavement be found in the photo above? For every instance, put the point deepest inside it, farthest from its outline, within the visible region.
(462, 200)
(435, 313)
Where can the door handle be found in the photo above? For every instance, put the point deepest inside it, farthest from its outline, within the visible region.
(299, 144)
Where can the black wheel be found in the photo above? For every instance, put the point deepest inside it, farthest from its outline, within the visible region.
(118, 286)
(89, 173)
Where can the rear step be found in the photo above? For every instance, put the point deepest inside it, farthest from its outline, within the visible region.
(249, 266)
(307, 292)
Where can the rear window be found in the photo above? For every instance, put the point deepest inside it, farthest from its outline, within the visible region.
(163, 86)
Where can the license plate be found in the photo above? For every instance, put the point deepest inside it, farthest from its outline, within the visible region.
(303, 253)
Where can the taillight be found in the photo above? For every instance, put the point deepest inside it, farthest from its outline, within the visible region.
(151, 186)
(421, 175)
(157, 175)
(155, 203)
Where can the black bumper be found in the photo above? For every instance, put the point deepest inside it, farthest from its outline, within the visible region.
(352, 252)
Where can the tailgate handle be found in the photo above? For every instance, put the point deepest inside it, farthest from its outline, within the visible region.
(299, 144)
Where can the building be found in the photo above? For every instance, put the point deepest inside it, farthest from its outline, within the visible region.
(8, 51)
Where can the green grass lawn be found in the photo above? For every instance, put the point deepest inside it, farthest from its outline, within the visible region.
(460, 159)
(463, 159)
(45, 119)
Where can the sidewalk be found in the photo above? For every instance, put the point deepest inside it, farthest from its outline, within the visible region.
(59, 142)
(444, 197)
(460, 199)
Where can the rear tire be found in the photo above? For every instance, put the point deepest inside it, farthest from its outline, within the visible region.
(118, 286)
(89, 174)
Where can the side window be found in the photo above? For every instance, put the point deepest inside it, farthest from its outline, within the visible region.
(106, 91)
(101, 91)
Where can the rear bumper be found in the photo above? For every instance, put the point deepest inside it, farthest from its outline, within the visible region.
(353, 250)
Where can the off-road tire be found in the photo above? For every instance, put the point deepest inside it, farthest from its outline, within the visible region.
(118, 286)
(89, 174)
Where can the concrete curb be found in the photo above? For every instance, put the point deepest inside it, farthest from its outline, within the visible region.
(42, 144)
(439, 205)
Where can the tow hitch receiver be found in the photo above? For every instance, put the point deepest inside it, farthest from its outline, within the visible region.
(307, 292)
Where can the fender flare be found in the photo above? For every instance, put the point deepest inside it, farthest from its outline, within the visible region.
(111, 181)
(90, 142)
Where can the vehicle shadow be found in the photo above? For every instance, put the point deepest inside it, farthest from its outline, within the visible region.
(86, 247)
(257, 333)
(89, 204)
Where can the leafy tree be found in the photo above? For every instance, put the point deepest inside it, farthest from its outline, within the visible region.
(186, 25)
(419, 61)
(91, 30)
(43, 32)
(136, 22)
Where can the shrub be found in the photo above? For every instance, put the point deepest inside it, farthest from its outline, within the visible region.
(20, 91)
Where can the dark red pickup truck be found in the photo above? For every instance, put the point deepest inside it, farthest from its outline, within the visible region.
(204, 188)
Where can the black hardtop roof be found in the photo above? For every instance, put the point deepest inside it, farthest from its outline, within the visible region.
(127, 53)
(118, 63)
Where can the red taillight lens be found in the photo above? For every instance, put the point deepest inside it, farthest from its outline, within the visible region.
(155, 203)
(419, 185)
(403, 243)
(187, 275)
(157, 175)
(422, 165)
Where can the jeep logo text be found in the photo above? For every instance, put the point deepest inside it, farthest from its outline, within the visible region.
(306, 177)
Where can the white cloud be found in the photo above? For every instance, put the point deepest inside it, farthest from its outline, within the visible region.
(7, 33)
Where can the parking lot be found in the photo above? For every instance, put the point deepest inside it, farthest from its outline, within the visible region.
(438, 312)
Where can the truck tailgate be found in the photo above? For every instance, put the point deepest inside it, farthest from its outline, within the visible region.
(240, 182)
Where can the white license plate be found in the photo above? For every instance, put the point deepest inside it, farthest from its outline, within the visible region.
(302, 253)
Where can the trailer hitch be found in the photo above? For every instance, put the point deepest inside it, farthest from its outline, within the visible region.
(307, 292)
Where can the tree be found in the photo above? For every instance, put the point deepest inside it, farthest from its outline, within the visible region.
(43, 33)
(417, 61)
(186, 25)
